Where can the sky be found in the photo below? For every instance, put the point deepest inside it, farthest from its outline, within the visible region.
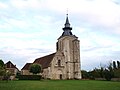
(29, 29)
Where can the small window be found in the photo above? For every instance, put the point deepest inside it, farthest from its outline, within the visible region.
(59, 62)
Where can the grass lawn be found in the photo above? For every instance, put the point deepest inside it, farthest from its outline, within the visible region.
(60, 85)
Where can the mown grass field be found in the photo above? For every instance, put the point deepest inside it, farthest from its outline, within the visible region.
(60, 85)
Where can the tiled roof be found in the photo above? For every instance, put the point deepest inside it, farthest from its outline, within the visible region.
(27, 66)
(45, 61)
(9, 64)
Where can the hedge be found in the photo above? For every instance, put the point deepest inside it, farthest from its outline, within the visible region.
(29, 77)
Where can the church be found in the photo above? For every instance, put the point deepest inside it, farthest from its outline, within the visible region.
(65, 62)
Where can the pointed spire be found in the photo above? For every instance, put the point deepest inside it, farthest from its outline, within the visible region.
(67, 24)
(67, 29)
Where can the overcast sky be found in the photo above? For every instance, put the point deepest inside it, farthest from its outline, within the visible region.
(30, 28)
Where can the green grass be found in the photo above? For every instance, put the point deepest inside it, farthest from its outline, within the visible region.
(60, 85)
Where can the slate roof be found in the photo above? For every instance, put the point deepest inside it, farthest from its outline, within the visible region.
(9, 64)
(45, 61)
(27, 66)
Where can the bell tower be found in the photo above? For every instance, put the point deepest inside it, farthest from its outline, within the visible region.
(68, 45)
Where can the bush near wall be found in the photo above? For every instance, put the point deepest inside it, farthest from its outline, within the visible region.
(29, 77)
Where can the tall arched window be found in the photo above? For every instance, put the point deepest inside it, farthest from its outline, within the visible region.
(57, 46)
(59, 62)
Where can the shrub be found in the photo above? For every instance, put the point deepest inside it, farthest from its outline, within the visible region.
(29, 77)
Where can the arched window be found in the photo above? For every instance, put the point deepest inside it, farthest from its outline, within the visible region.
(59, 62)
(57, 46)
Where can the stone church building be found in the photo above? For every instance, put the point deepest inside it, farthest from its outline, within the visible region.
(65, 62)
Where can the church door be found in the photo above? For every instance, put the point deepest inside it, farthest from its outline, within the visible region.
(60, 76)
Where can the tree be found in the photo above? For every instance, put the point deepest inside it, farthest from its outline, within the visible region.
(117, 70)
(101, 72)
(107, 75)
(96, 73)
(114, 65)
(109, 72)
(2, 68)
(7, 75)
(85, 74)
(118, 64)
(1, 63)
(117, 73)
(4, 73)
(35, 68)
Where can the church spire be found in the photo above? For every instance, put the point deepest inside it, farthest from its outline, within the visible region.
(67, 24)
(67, 29)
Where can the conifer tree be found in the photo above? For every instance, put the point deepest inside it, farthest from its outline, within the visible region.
(118, 64)
(114, 65)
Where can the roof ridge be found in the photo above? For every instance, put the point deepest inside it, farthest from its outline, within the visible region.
(45, 60)
(46, 55)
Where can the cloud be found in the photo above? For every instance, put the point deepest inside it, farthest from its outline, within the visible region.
(23, 43)
(21, 52)
(99, 13)
(24, 4)
(116, 1)
(3, 6)
(30, 28)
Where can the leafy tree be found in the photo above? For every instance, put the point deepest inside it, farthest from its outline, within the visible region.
(91, 75)
(85, 74)
(117, 73)
(7, 75)
(101, 72)
(4, 74)
(107, 75)
(1, 63)
(2, 68)
(109, 72)
(96, 73)
(35, 68)
(2, 71)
